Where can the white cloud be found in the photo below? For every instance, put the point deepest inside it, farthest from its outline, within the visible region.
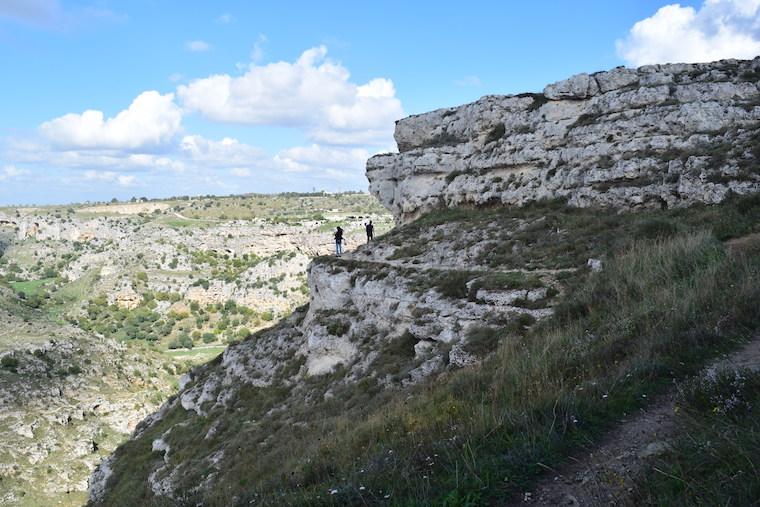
(228, 152)
(316, 158)
(473, 81)
(144, 144)
(197, 46)
(123, 180)
(35, 11)
(225, 18)
(719, 29)
(257, 53)
(240, 172)
(151, 119)
(11, 172)
(176, 76)
(312, 93)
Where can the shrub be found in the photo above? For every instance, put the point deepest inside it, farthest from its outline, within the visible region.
(338, 327)
(656, 228)
(9, 362)
(481, 340)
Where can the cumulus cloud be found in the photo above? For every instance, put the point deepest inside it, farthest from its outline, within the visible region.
(225, 18)
(151, 119)
(316, 158)
(144, 145)
(312, 93)
(718, 29)
(226, 153)
(34, 11)
(197, 46)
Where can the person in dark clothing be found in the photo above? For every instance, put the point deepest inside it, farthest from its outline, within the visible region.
(338, 241)
(370, 231)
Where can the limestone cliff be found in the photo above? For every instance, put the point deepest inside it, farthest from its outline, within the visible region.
(659, 136)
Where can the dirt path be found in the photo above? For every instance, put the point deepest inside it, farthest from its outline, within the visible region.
(360, 256)
(183, 217)
(602, 476)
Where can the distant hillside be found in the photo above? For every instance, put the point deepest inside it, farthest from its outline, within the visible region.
(103, 309)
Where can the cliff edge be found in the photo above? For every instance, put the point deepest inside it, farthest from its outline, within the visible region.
(659, 136)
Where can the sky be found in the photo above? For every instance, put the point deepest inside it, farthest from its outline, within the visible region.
(105, 99)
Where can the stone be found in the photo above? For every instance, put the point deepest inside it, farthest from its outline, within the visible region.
(580, 86)
(626, 138)
(595, 265)
(653, 449)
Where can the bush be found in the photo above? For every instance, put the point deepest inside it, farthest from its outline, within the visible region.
(656, 228)
(9, 362)
(337, 327)
(481, 340)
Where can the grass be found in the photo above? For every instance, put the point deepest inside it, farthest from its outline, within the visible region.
(197, 353)
(715, 461)
(551, 235)
(30, 287)
(667, 299)
(649, 316)
(178, 223)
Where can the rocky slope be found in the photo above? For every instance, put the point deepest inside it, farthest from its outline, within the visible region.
(67, 398)
(658, 136)
(439, 364)
(103, 308)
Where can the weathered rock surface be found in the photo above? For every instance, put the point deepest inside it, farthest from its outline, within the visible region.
(657, 136)
(66, 401)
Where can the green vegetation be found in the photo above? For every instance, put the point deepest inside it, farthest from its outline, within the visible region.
(551, 235)
(715, 461)
(31, 287)
(198, 355)
(672, 294)
(622, 335)
(9, 362)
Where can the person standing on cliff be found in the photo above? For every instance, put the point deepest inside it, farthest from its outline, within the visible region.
(370, 231)
(338, 241)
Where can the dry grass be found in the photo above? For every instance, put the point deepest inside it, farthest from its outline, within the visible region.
(657, 311)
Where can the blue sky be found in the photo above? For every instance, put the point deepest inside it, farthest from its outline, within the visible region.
(229, 97)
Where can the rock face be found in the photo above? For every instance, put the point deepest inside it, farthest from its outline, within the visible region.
(655, 137)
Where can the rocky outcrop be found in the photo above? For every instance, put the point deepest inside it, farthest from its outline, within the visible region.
(654, 137)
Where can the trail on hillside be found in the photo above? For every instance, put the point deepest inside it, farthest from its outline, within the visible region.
(603, 474)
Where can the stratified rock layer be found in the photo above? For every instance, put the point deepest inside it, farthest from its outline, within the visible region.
(657, 136)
